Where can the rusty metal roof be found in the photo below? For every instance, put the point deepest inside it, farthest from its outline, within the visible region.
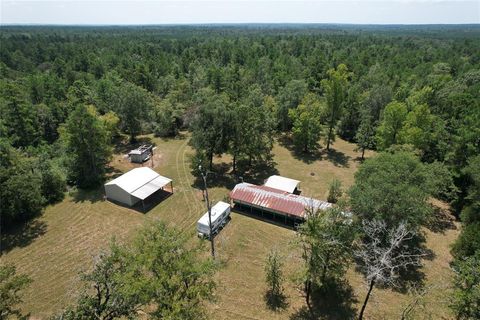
(275, 200)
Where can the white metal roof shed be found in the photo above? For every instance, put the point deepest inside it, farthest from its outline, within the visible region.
(282, 183)
(137, 184)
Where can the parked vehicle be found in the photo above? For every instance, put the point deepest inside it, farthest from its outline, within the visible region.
(220, 216)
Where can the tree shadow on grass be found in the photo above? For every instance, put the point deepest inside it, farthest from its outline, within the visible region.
(275, 302)
(335, 301)
(21, 235)
(256, 173)
(414, 275)
(221, 175)
(90, 195)
(286, 141)
(359, 159)
(112, 173)
(441, 220)
(337, 158)
(180, 136)
(95, 194)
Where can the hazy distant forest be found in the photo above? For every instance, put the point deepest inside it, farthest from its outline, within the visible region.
(66, 94)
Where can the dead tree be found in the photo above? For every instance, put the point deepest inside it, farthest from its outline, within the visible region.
(383, 254)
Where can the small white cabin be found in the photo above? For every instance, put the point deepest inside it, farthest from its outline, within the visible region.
(220, 214)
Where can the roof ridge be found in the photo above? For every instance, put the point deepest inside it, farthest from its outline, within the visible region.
(158, 175)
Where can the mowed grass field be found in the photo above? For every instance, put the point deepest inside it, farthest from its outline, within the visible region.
(54, 248)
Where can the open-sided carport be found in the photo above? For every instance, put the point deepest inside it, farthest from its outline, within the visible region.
(136, 185)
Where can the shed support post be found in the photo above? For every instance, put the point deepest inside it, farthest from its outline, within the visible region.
(143, 205)
(171, 185)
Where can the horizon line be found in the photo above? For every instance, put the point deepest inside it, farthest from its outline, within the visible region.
(237, 23)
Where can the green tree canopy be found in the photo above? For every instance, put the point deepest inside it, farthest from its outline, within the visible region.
(159, 272)
(307, 128)
(211, 127)
(424, 131)
(20, 186)
(466, 297)
(326, 242)
(133, 105)
(335, 89)
(365, 135)
(11, 286)
(252, 129)
(392, 188)
(393, 119)
(18, 116)
(471, 210)
(87, 146)
(289, 98)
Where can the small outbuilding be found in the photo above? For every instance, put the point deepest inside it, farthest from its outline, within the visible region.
(282, 183)
(136, 185)
(141, 154)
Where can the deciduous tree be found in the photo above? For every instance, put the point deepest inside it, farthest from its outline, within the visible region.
(335, 88)
(289, 98)
(365, 136)
(212, 126)
(393, 119)
(133, 105)
(159, 273)
(466, 297)
(307, 128)
(392, 188)
(325, 239)
(424, 131)
(274, 273)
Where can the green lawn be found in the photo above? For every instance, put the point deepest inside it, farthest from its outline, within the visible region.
(64, 240)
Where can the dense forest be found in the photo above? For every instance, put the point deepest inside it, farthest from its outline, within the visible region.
(68, 92)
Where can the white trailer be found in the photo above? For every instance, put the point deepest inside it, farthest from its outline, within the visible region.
(220, 215)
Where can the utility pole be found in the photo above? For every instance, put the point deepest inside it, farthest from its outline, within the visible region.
(204, 176)
(151, 155)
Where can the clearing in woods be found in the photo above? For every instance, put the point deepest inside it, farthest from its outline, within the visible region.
(55, 247)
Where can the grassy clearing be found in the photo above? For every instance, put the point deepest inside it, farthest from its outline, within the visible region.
(62, 242)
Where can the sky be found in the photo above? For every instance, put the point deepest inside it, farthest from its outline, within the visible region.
(128, 12)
